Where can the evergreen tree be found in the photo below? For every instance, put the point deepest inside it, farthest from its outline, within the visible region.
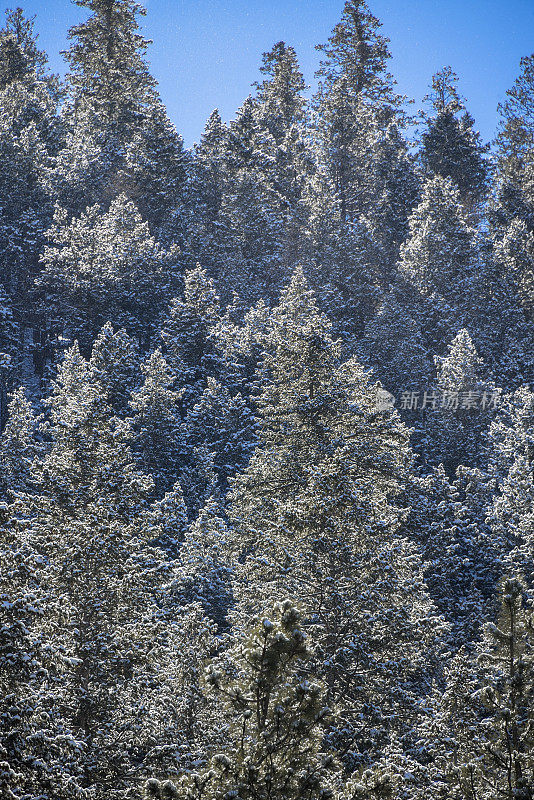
(440, 254)
(38, 748)
(105, 267)
(114, 365)
(85, 515)
(512, 516)
(188, 332)
(279, 95)
(394, 346)
(354, 100)
(273, 719)
(342, 260)
(315, 518)
(501, 761)
(459, 407)
(516, 135)
(203, 568)
(18, 444)
(111, 95)
(282, 111)
(157, 424)
(463, 560)
(29, 138)
(209, 181)
(450, 146)
(359, 53)
(515, 254)
(10, 356)
(225, 425)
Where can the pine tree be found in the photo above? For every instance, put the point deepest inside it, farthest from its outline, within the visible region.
(279, 95)
(246, 247)
(156, 176)
(110, 97)
(18, 444)
(510, 453)
(282, 111)
(29, 139)
(462, 557)
(86, 516)
(355, 96)
(188, 334)
(449, 730)
(513, 190)
(38, 748)
(359, 53)
(157, 424)
(450, 146)
(440, 254)
(105, 267)
(502, 757)
(512, 517)
(516, 135)
(225, 425)
(210, 167)
(341, 260)
(203, 567)
(315, 518)
(394, 346)
(9, 352)
(514, 252)
(273, 718)
(114, 367)
(462, 398)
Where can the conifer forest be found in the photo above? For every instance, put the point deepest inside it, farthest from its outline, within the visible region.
(267, 414)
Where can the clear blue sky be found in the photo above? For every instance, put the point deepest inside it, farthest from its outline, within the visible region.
(206, 53)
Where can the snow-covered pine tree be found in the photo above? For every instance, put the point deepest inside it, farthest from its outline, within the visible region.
(225, 425)
(341, 260)
(359, 53)
(157, 424)
(245, 245)
(105, 266)
(9, 352)
(512, 517)
(156, 175)
(394, 346)
(463, 400)
(510, 453)
(18, 444)
(111, 96)
(501, 749)
(273, 714)
(440, 255)
(448, 731)
(86, 516)
(315, 518)
(515, 253)
(38, 748)
(355, 98)
(210, 173)
(114, 366)
(450, 146)
(29, 138)
(202, 570)
(515, 141)
(188, 334)
(282, 112)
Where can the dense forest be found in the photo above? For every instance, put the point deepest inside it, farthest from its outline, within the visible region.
(267, 451)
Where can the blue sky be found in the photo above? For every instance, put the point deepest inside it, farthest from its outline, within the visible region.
(206, 53)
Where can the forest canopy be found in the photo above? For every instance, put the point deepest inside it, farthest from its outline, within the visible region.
(267, 430)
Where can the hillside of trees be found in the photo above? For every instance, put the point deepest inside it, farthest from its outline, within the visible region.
(267, 414)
